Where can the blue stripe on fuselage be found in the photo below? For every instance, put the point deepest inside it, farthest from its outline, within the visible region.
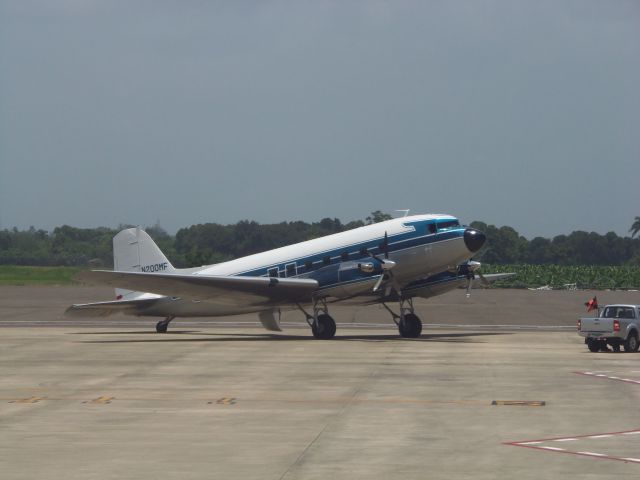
(419, 236)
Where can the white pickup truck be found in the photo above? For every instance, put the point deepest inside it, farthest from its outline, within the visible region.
(617, 325)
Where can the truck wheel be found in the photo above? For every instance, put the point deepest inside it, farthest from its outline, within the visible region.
(631, 343)
(593, 345)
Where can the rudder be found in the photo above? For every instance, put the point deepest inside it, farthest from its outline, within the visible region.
(135, 251)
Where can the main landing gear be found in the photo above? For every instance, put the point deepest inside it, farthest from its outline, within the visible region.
(162, 325)
(322, 325)
(409, 324)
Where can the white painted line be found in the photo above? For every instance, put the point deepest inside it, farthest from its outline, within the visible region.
(565, 439)
(592, 454)
(503, 326)
(556, 449)
(636, 432)
(600, 436)
(637, 460)
(529, 443)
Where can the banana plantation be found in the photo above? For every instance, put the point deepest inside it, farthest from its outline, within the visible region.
(595, 277)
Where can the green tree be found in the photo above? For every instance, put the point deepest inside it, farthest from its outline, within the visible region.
(377, 217)
(635, 227)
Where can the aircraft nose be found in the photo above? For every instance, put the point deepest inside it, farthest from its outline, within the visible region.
(474, 239)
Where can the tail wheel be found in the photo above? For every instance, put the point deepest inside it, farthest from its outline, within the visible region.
(323, 327)
(410, 326)
(162, 325)
(631, 343)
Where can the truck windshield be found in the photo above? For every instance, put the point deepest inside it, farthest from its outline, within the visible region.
(618, 312)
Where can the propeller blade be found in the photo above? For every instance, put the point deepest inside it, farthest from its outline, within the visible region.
(376, 287)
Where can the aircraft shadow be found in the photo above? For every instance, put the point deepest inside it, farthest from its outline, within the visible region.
(247, 337)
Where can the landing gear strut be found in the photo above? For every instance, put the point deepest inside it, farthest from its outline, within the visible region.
(409, 324)
(322, 325)
(161, 326)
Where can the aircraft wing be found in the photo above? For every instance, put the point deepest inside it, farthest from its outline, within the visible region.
(494, 277)
(104, 309)
(224, 291)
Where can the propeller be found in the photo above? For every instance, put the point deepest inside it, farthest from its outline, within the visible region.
(472, 267)
(386, 266)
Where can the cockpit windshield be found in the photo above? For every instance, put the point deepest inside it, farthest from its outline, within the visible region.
(447, 224)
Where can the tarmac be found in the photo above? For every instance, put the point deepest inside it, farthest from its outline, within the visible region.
(499, 386)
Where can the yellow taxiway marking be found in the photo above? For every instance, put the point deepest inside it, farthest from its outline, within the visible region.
(226, 401)
(101, 400)
(104, 399)
(33, 399)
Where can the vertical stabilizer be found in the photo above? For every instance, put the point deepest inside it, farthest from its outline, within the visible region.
(135, 251)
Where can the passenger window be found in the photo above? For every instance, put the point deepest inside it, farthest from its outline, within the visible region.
(344, 256)
(291, 270)
(432, 228)
(308, 265)
(273, 272)
(326, 260)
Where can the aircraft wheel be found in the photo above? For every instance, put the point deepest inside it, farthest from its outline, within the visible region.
(631, 343)
(410, 326)
(324, 327)
(161, 326)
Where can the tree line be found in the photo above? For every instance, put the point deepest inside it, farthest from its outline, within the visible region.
(212, 243)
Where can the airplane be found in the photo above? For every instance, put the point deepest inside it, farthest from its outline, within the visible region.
(391, 261)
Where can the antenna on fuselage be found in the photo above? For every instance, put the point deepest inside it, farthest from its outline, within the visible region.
(405, 210)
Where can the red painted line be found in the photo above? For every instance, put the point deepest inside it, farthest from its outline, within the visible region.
(594, 455)
(601, 456)
(626, 432)
(608, 377)
(535, 444)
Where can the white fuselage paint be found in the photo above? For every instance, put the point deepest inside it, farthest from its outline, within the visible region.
(412, 263)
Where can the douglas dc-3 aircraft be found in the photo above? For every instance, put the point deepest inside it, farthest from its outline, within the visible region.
(391, 261)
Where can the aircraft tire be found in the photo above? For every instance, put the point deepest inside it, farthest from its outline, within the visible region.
(161, 326)
(324, 327)
(410, 326)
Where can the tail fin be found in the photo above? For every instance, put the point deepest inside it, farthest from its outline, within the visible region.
(135, 251)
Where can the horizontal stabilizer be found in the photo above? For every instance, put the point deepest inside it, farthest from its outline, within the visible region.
(104, 309)
(224, 291)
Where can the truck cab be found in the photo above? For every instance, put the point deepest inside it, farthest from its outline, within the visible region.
(616, 325)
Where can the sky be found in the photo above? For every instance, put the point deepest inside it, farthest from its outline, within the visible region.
(519, 113)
